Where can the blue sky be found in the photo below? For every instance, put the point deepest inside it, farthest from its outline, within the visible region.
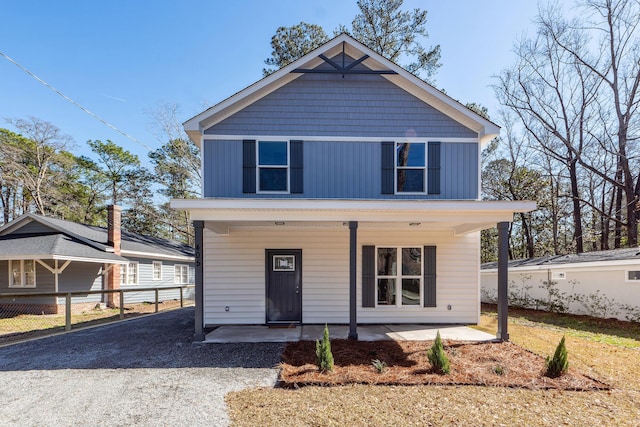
(122, 59)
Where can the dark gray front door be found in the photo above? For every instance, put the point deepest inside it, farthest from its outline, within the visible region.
(284, 285)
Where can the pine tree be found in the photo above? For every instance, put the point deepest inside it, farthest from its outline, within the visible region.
(324, 357)
(437, 357)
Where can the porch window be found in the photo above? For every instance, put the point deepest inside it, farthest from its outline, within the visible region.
(129, 273)
(157, 270)
(273, 166)
(22, 273)
(399, 276)
(410, 167)
(181, 274)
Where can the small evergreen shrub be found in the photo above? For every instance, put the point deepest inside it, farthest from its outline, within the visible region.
(437, 357)
(379, 365)
(324, 357)
(498, 370)
(559, 363)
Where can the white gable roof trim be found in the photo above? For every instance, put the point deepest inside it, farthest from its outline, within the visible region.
(486, 129)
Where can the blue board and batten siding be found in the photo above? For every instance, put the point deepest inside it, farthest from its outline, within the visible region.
(319, 105)
(329, 165)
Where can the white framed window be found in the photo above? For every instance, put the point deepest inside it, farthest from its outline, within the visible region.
(632, 276)
(558, 275)
(411, 167)
(399, 273)
(273, 167)
(129, 273)
(157, 270)
(181, 274)
(22, 273)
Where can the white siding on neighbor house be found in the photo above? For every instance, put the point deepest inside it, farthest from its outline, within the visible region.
(234, 275)
(609, 281)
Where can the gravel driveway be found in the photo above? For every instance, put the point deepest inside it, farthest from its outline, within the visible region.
(140, 372)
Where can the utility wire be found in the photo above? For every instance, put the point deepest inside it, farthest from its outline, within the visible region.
(95, 116)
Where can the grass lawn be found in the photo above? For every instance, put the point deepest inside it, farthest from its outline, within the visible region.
(608, 351)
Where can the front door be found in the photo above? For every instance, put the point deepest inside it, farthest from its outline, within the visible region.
(284, 285)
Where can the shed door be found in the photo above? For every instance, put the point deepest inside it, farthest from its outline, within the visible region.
(284, 285)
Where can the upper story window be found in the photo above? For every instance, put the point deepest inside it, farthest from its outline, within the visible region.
(22, 273)
(411, 167)
(273, 166)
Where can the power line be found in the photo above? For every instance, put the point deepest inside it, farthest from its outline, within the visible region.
(95, 116)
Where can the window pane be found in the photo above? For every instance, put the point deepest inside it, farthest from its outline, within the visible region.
(16, 276)
(123, 274)
(157, 270)
(411, 262)
(133, 274)
(29, 273)
(272, 153)
(387, 261)
(410, 154)
(410, 291)
(386, 291)
(185, 274)
(411, 180)
(273, 179)
(634, 275)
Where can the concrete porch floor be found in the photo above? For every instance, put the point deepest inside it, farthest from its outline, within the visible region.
(258, 333)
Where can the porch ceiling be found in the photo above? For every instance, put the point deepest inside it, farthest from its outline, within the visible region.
(462, 217)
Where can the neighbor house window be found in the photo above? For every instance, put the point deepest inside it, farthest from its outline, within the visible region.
(410, 167)
(633, 276)
(558, 275)
(129, 273)
(22, 273)
(273, 166)
(399, 276)
(157, 270)
(181, 274)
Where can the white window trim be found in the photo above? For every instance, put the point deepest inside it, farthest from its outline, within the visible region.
(555, 275)
(23, 281)
(153, 270)
(124, 273)
(177, 278)
(423, 168)
(259, 166)
(398, 277)
(626, 276)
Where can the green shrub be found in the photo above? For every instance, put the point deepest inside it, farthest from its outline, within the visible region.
(559, 363)
(437, 357)
(379, 365)
(324, 357)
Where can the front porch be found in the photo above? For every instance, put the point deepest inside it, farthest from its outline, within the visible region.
(260, 333)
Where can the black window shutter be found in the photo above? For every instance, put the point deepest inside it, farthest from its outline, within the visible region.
(387, 167)
(368, 276)
(429, 257)
(433, 167)
(248, 166)
(295, 173)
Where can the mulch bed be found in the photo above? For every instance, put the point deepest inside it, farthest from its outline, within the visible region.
(487, 364)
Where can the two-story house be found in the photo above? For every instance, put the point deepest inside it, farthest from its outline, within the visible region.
(340, 189)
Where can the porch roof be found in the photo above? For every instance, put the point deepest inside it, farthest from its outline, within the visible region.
(463, 216)
(53, 246)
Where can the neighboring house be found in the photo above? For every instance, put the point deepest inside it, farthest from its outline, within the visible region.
(39, 254)
(608, 278)
(340, 189)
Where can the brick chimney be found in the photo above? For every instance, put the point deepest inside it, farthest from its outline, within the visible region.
(114, 214)
(113, 239)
